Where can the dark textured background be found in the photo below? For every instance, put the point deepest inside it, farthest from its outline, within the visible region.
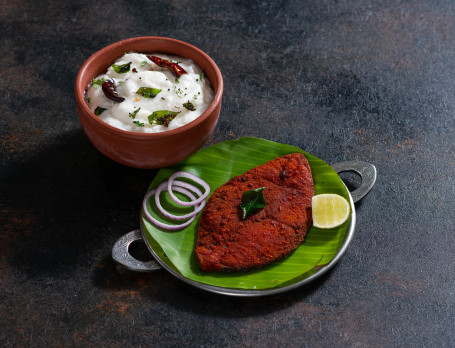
(343, 80)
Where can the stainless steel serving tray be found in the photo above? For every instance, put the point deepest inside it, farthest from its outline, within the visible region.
(120, 251)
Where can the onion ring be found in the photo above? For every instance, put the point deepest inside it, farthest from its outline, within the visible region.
(191, 177)
(177, 187)
(187, 189)
(162, 224)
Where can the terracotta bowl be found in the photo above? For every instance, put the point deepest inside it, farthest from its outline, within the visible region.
(148, 150)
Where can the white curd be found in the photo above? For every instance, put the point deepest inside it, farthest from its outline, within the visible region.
(133, 114)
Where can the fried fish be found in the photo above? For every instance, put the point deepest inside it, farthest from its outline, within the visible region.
(227, 243)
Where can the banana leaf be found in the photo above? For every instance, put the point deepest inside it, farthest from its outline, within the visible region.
(216, 165)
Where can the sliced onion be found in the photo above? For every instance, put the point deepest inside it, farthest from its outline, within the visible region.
(191, 177)
(183, 190)
(187, 189)
(162, 224)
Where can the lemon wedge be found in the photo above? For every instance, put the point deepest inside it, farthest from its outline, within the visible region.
(329, 210)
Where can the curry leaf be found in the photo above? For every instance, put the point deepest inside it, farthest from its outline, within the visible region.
(121, 69)
(252, 200)
(97, 83)
(148, 92)
(189, 105)
(162, 117)
(99, 110)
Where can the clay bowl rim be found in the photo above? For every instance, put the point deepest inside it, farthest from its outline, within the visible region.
(80, 88)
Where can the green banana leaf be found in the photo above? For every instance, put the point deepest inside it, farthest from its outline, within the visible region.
(216, 165)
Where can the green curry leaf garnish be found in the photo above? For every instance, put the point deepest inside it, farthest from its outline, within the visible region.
(162, 117)
(99, 110)
(252, 200)
(148, 92)
(121, 69)
(189, 105)
(97, 83)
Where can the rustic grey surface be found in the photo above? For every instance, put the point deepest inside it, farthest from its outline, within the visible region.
(343, 80)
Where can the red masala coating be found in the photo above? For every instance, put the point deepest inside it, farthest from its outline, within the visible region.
(226, 242)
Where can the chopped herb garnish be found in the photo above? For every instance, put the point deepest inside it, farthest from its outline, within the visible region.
(121, 69)
(88, 100)
(97, 83)
(143, 62)
(137, 123)
(177, 80)
(252, 200)
(134, 113)
(178, 91)
(201, 76)
(189, 105)
(148, 92)
(99, 110)
(162, 117)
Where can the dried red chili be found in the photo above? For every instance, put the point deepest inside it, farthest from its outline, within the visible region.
(110, 91)
(176, 69)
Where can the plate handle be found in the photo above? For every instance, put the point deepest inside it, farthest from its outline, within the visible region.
(121, 254)
(367, 172)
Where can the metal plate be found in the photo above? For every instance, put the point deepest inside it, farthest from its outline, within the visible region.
(252, 293)
(367, 173)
